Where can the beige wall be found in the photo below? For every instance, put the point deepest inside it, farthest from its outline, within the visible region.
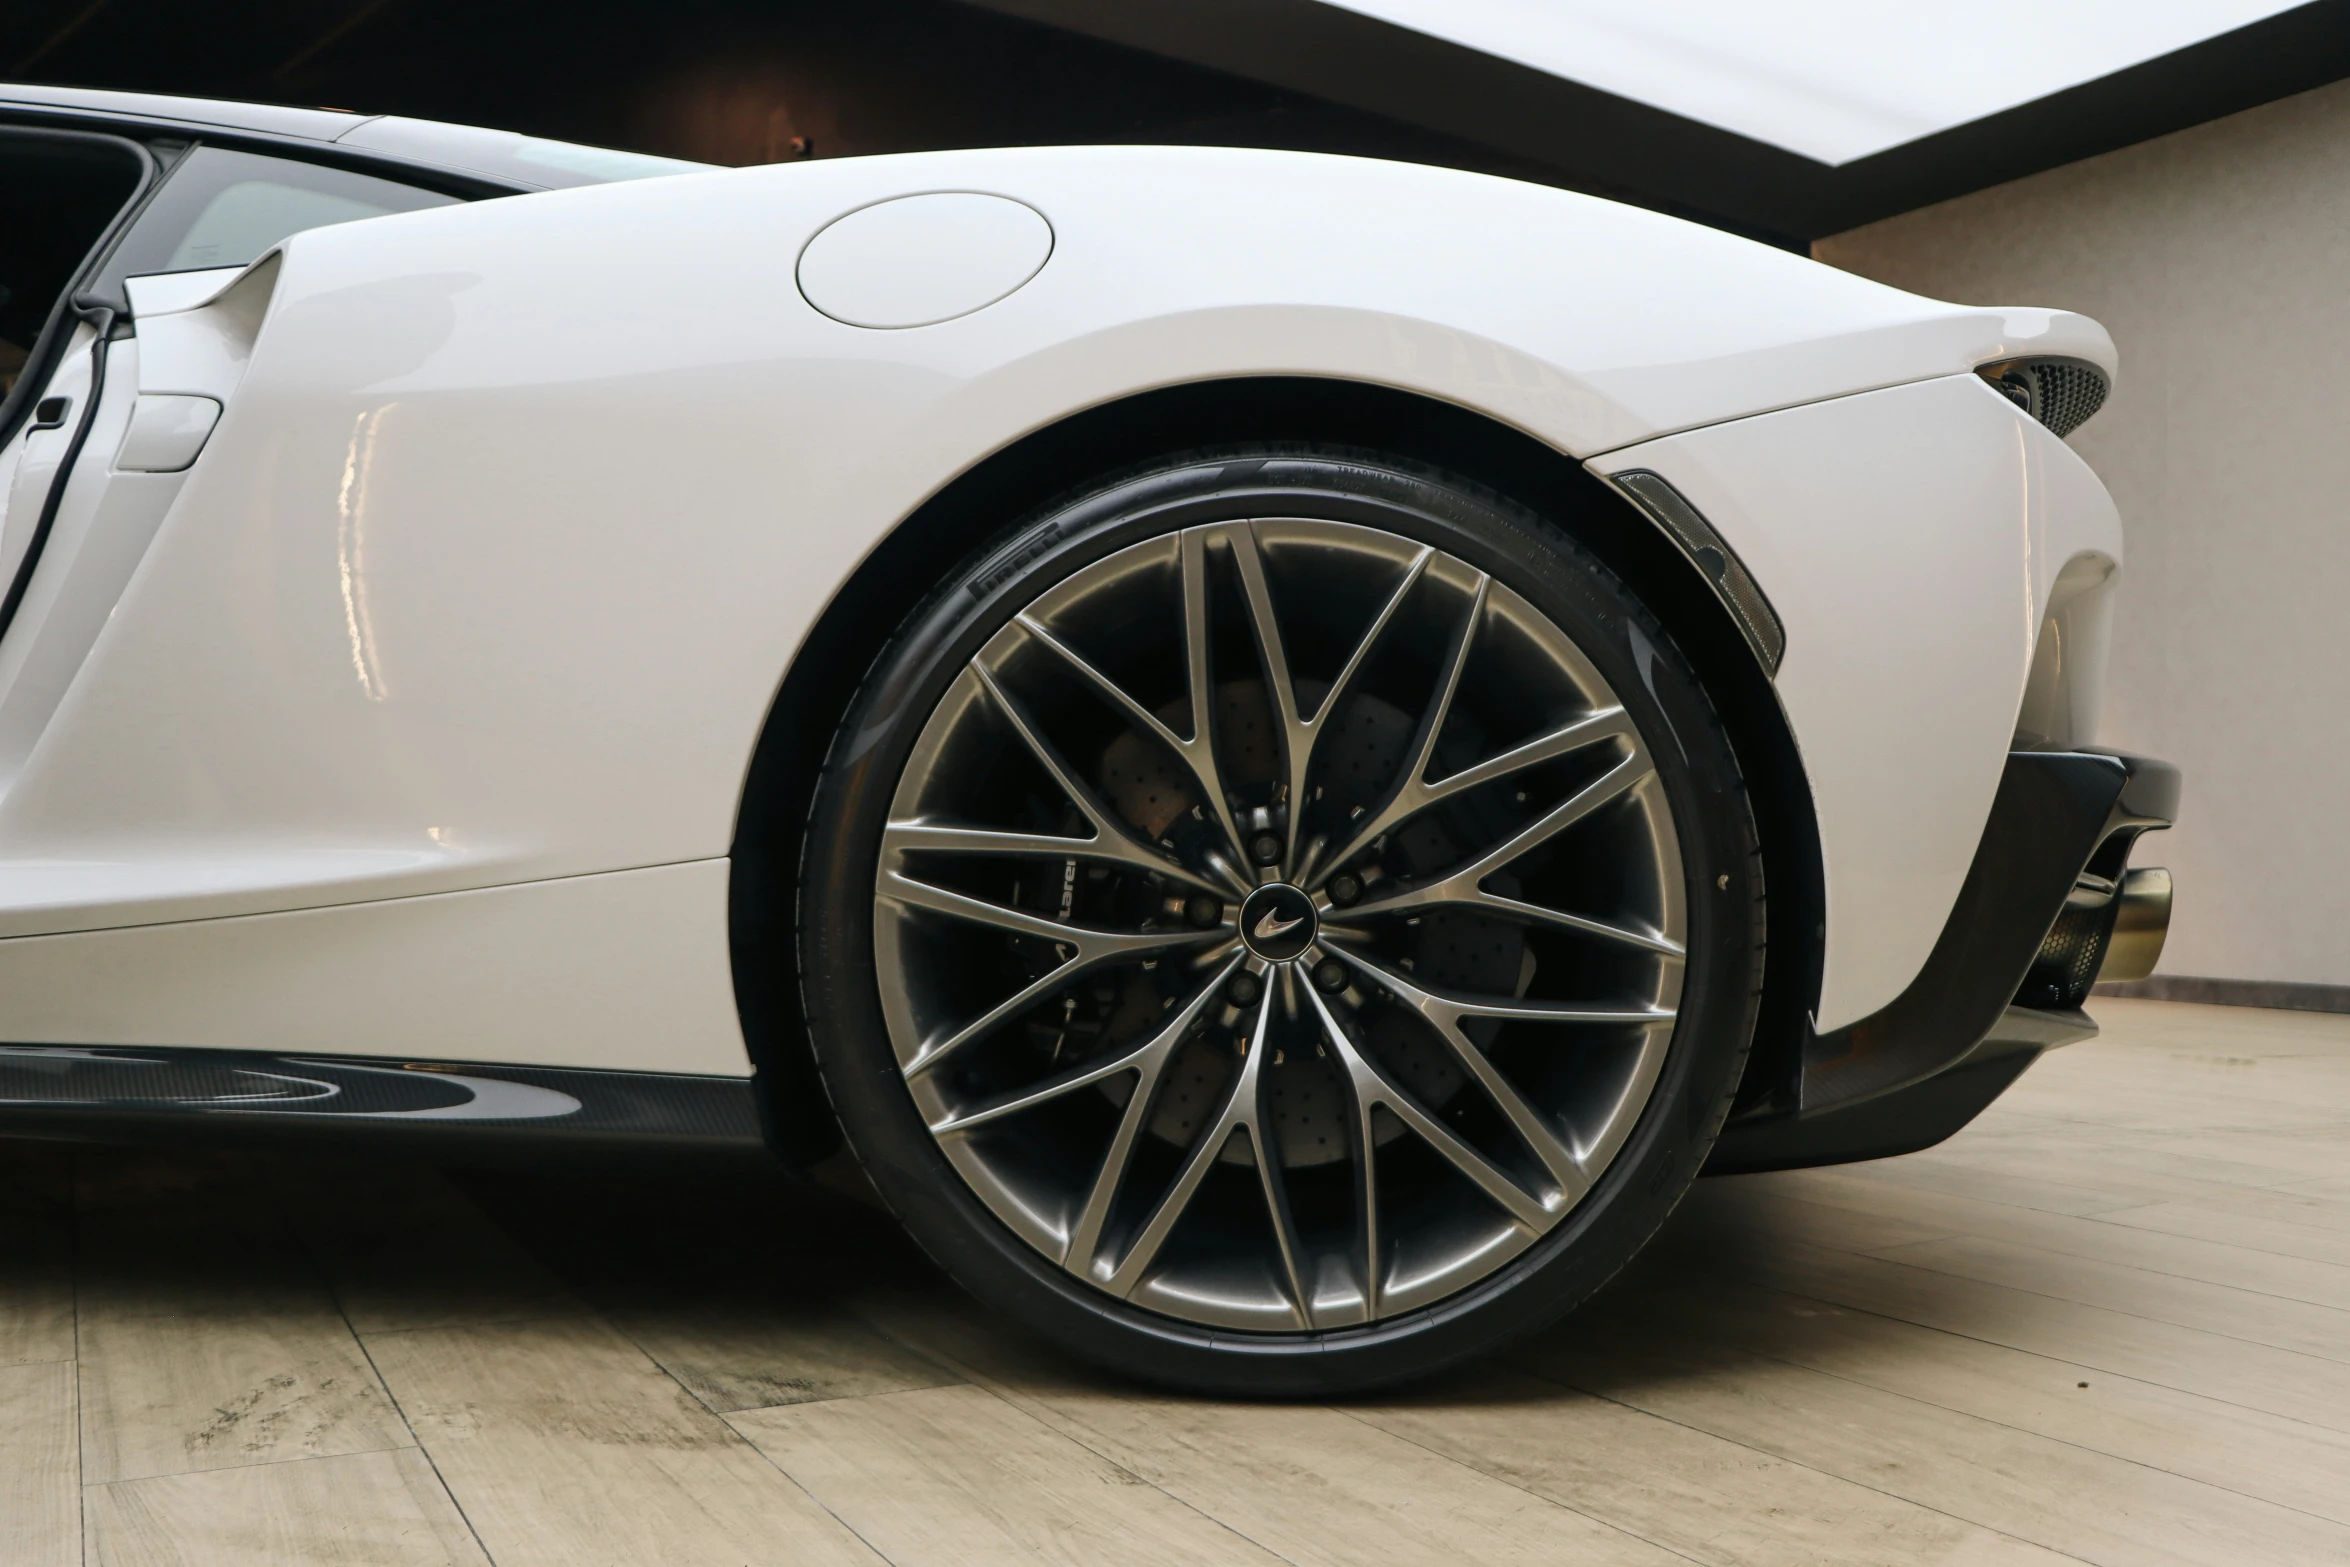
(2220, 259)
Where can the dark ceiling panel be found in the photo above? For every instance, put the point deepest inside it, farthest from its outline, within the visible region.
(724, 81)
(753, 81)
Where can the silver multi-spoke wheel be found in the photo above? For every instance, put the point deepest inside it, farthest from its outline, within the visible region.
(1279, 924)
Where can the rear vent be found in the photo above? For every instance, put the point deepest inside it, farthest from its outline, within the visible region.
(1721, 565)
(2069, 958)
(2061, 393)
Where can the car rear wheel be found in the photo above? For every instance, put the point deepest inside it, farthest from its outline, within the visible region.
(1281, 921)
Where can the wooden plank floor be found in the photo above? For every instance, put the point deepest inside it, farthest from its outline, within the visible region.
(2109, 1323)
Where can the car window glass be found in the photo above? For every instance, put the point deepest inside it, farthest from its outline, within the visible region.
(58, 193)
(222, 208)
(250, 216)
(601, 163)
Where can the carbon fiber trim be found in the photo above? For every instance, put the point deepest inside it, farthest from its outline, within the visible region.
(1993, 993)
(1704, 547)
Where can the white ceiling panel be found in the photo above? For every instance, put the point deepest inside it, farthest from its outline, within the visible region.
(1833, 80)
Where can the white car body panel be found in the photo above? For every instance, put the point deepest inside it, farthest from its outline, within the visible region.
(1914, 535)
(519, 513)
(615, 971)
(163, 293)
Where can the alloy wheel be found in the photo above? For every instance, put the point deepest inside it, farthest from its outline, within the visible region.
(1279, 924)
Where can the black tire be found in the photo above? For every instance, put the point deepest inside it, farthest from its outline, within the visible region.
(1694, 767)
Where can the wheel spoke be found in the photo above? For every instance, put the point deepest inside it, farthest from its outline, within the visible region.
(989, 842)
(1147, 1056)
(1264, 1136)
(1403, 795)
(1236, 1112)
(1291, 728)
(1149, 1060)
(1197, 752)
(939, 838)
(1428, 1002)
(1089, 950)
(1513, 1199)
(1443, 1013)
(1582, 925)
(1248, 562)
(1608, 724)
(1142, 716)
(1366, 1157)
(901, 888)
(1122, 1279)
(1199, 681)
(1264, 1145)
(1463, 886)
(1113, 841)
(1301, 731)
(1607, 787)
(1417, 794)
(1372, 1087)
(961, 1122)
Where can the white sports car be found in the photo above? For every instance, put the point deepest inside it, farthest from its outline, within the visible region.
(1288, 746)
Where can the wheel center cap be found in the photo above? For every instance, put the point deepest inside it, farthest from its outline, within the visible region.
(1277, 922)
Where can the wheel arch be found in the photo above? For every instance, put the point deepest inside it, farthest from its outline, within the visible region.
(1084, 447)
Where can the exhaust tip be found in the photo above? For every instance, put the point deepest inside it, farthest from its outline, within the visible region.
(2141, 922)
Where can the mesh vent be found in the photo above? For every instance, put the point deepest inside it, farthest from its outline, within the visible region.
(2069, 959)
(2069, 394)
(2074, 949)
(2061, 393)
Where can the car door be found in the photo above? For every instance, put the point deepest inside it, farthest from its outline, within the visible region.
(126, 415)
(64, 194)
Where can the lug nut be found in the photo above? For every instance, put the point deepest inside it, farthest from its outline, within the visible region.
(1264, 848)
(1330, 975)
(1345, 887)
(1202, 911)
(1245, 990)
